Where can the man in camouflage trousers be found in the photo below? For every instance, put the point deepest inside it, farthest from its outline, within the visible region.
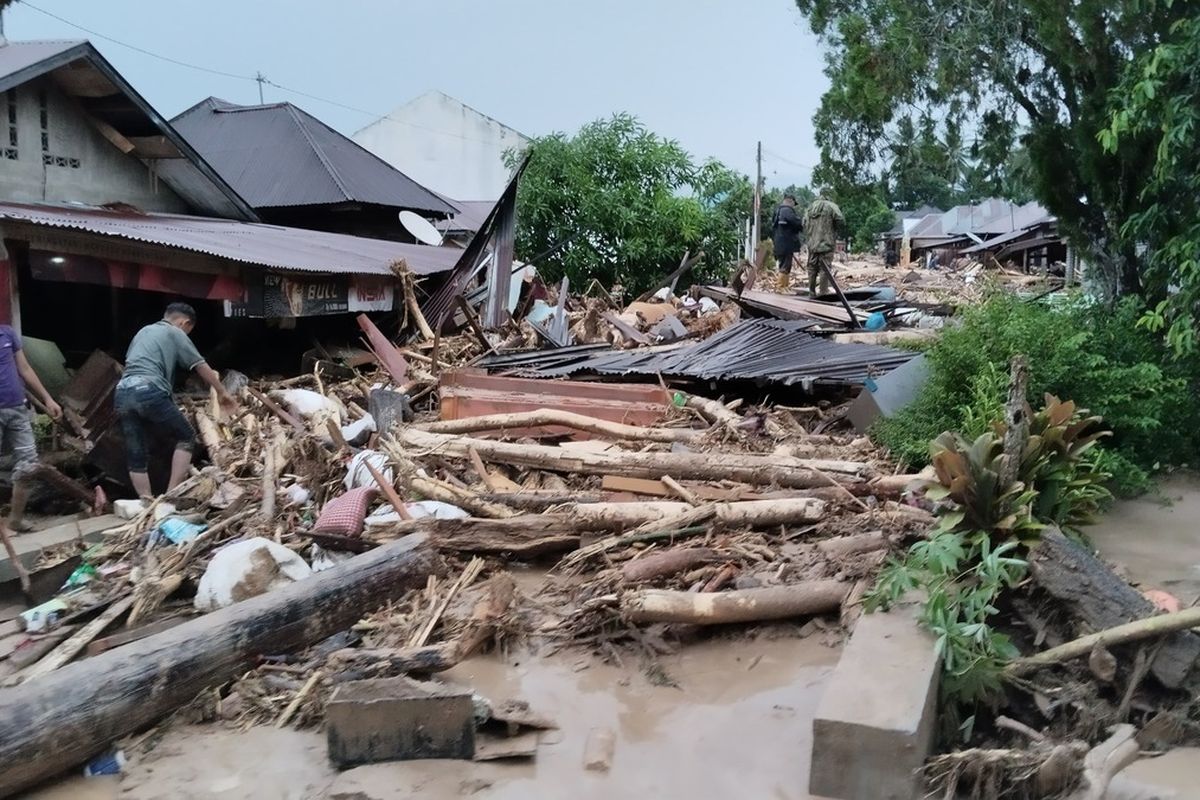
(822, 221)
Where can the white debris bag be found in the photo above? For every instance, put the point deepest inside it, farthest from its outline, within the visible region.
(247, 569)
(386, 515)
(357, 432)
(357, 474)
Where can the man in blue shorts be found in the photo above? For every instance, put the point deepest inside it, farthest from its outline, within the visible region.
(143, 398)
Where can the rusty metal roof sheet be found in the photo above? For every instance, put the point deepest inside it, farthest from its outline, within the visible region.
(244, 242)
(762, 351)
(278, 155)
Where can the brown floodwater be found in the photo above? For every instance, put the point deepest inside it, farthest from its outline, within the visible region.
(737, 723)
(1156, 538)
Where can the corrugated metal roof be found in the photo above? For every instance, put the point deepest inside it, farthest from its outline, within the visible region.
(245, 242)
(763, 351)
(190, 177)
(278, 155)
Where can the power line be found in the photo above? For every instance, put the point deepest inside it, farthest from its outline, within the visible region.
(99, 35)
(258, 78)
(787, 160)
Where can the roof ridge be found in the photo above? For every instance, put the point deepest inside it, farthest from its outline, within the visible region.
(432, 194)
(320, 153)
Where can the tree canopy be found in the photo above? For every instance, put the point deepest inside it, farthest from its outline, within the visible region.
(1041, 72)
(617, 203)
(1158, 105)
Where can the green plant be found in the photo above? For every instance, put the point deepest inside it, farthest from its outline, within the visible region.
(984, 521)
(1093, 354)
(617, 203)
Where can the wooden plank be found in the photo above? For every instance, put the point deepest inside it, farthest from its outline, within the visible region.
(276, 409)
(79, 640)
(389, 357)
(98, 646)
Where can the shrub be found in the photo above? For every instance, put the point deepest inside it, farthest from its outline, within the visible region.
(1095, 355)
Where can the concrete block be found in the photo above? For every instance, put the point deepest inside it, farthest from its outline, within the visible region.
(398, 719)
(876, 722)
(29, 546)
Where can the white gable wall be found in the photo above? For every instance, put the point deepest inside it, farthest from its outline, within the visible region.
(95, 170)
(444, 146)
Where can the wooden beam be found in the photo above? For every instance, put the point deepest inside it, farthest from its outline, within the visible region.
(154, 147)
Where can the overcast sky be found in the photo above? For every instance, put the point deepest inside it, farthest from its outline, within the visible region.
(717, 75)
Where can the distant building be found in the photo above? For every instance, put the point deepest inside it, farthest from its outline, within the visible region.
(295, 170)
(445, 145)
(1025, 234)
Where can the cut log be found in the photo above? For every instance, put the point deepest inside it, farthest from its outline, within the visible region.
(747, 605)
(756, 469)
(713, 411)
(346, 664)
(548, 417)
(666, 563)
(842, 546)
(54, 722)
(1100, 600)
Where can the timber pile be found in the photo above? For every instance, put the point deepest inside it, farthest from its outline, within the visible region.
(634, 526)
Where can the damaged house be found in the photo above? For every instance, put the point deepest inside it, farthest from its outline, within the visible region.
(1025, 235)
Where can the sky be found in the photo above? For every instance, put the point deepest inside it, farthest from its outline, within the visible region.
(716, 75)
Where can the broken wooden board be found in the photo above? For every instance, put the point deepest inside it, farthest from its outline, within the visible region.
(473, 393)
(490, 747)
(1100, 599)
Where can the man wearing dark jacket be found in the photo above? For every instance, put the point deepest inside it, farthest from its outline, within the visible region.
(786, 226)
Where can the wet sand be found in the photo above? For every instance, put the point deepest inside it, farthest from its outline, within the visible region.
(737, 724)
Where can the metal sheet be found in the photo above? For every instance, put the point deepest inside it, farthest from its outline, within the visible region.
(243, 242)
(278, 155)
(763, 351)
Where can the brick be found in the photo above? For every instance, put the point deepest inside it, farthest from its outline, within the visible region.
(875, 723)
(398, 719)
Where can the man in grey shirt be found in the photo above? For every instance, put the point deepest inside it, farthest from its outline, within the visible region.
(143, 397)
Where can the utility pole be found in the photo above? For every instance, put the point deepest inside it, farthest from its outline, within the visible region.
(261, 79)
(757, 208)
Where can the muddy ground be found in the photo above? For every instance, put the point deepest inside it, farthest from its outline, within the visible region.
(736, 724)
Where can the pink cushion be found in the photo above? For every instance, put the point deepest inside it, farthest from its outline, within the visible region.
(344, 515)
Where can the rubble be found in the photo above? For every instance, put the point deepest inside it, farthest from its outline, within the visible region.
(689, 500)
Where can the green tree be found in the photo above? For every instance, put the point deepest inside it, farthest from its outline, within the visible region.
(1049, 63)
(621, 205)
(1159, 102)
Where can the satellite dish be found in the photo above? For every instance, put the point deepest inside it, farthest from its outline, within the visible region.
(421, 228)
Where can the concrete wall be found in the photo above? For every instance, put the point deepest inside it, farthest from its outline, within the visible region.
(96, 171)
(445, 146)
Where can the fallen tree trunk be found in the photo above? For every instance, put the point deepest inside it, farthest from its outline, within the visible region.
(547, 417)
(755, 469)
(747, 605)
(54, 722)
(1102, 600)
(1158, 625)
(668, 562)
